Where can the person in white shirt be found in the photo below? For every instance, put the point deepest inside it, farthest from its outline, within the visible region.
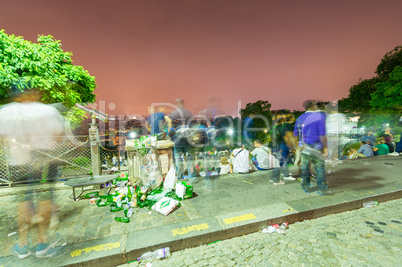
(334, 124)
(262, 155)
(240, 160)
(32, 129)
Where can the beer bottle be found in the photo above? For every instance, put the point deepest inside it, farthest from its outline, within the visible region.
(122, 219)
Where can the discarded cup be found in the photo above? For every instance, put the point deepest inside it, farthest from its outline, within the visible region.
(370, 204)
(162, 253)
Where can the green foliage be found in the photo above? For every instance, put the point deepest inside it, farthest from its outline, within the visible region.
(377, 120)
(355, 146)
(389, 62)
(260, 108)
(380, 93)
(44, 66)
(261, 111)
(359, 96)
(75, 117)
(388, 97)
(83, 161)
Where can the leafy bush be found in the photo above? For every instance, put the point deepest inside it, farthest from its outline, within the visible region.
(83, 162)
(355, 146)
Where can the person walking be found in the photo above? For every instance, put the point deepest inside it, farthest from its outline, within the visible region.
(32, 128)
(286, 142)
(311, 133)
(179, 132)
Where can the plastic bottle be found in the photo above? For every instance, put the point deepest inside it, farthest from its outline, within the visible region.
(370, 204)
(128, 211)
(162, 253)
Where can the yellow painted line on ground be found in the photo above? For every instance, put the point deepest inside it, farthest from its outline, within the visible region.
(240, 218)
(368, 193)
(242, 178)
(108, 246)
(289, 209)
(185, 230)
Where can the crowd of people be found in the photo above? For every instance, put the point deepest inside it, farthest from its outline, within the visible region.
(376, 146)
(312, 139)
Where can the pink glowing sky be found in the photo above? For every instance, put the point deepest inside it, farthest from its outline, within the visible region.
(232, 50)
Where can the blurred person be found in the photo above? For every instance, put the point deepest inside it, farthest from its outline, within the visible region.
(155, 121)
(370, 138)
(364, 151)
(180, 115)
(248, 125)
(212, 110)
(240, 160)
(381, 148)
(32, 127)
(388, 138)
(310, 129)
(179, 131)
(398, 148)
(286, 143)
(387, 131)
(334, 124)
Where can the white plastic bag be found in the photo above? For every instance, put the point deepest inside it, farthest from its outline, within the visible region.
(170, 179)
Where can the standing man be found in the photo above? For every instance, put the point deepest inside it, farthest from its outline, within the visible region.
(179, 132)
(178, 122)
(310, 129)
(248, 129)
(286, 142)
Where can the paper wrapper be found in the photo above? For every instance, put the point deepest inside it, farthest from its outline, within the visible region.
(165, 206)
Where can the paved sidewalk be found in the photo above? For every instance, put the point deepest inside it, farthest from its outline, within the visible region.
(362, 237)
(230, 206)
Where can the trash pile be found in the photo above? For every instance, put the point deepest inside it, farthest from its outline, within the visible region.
(276, 228)
(163, 197)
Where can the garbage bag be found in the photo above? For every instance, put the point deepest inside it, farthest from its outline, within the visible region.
(170, 179)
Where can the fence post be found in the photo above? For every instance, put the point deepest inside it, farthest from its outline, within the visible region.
(94, 143)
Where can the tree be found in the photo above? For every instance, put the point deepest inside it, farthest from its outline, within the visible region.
(388, 97)
(359, 96)
(389, 62)
(261, 111)
(44, 66)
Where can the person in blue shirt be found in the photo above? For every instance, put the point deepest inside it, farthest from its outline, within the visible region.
(369, 138)
(155, 121)
(248, 133)
(364, 151)
(311, 133)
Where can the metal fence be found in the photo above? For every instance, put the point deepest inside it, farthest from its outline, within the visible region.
(111, 159)
(25, 160)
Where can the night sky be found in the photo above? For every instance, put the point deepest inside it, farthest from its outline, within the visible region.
(228, 50)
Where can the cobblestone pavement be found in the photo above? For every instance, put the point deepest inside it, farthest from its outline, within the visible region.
(363, 237)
